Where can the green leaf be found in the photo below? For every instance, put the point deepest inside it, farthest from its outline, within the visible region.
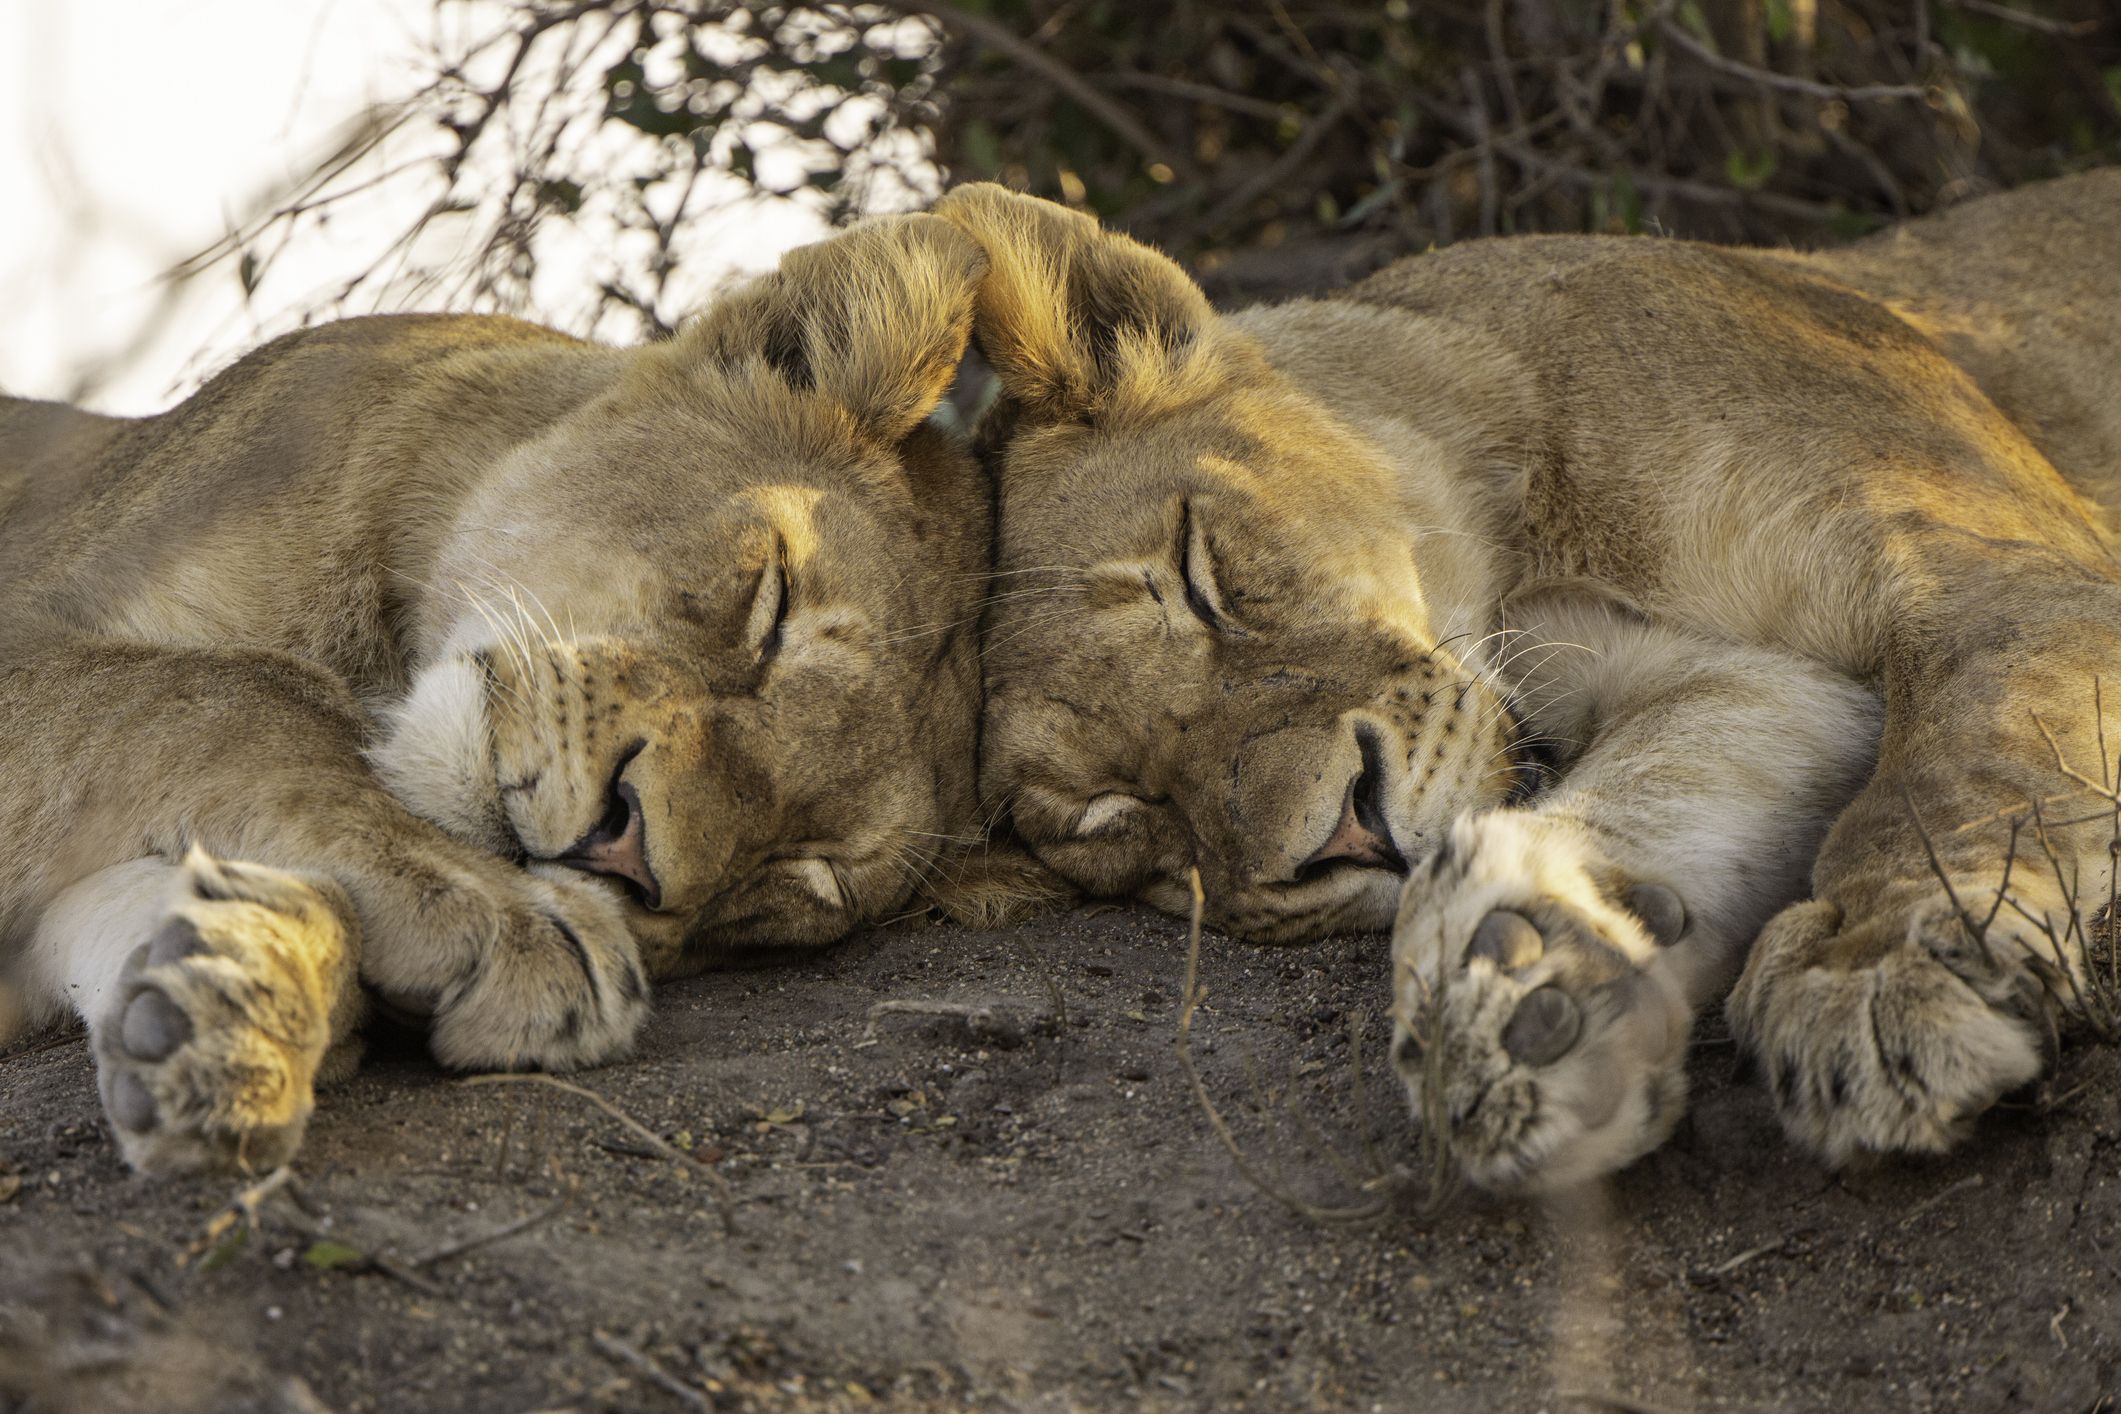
(842, 70)
(1617, 204)
(227, 1249)
(1848, 225)
(1781, 22)
(982, 147)
(326, 1255)
(560, 194)
(1749, 171)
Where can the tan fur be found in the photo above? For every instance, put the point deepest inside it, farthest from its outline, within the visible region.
(1748, 553)
(396, 615)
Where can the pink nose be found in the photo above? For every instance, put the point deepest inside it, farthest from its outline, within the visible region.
(619, 848)
(1354, 840)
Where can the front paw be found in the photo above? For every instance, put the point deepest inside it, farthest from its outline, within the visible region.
(1534, 998)
(1896, 1032)
(558, 984)
(208, 1055)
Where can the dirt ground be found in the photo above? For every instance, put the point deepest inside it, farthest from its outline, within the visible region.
(1020, 1209)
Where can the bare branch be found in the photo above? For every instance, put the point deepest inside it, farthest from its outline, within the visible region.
(1020, 51)
(1788, 83)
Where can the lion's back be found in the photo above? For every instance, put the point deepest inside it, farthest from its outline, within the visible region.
(300, 461)
(2021, 291)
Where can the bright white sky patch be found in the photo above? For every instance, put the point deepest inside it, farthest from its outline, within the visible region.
(134, 133)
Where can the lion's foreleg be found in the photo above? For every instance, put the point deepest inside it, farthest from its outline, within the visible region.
(217, 994)
(1945, 940)
(1558, 951)
(110, 752)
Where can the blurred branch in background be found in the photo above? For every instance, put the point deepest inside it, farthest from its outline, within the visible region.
(1278, 145)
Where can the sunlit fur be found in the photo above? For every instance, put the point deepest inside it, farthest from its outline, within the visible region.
(398, 605)
(1126, 738)
(1754, 557)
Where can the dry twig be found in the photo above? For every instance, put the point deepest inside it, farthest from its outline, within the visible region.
(1189, 1000)
(648, 1366)
(487, 1239)
(687, 1164)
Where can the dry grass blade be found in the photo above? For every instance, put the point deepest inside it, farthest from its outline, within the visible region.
(2077, 958)
(220, 1233)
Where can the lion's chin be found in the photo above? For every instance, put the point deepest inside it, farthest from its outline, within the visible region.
(436, 754)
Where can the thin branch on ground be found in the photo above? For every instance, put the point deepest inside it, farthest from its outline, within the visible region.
(486, 1239)
(646, 1365)
(1182, 1045)
(686, 1163)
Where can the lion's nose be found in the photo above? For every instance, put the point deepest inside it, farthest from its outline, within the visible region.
(618, 847)
(1363, 835)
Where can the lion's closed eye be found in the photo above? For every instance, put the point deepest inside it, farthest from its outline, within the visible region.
(769, 606)
(1196, 568)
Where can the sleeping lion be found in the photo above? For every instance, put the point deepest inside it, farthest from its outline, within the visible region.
(1616, 619)
(498, 671)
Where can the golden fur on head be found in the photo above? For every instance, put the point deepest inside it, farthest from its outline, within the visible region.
(1073, 319)
(1209, 643)
(874, 322)
(528, 668)
(736, 583)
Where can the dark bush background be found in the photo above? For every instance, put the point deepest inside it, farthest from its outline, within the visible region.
(1276, 145)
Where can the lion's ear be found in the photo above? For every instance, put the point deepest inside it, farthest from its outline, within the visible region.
(876, 318)
(1068, 306)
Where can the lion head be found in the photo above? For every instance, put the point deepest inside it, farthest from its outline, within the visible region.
(709, 633)
(1213, 642)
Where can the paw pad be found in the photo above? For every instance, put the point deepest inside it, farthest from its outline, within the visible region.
(1660, 911)
(1509, 940)
(1544, 1028)
(130, 1104)
(217, 1023)
(154, 1026)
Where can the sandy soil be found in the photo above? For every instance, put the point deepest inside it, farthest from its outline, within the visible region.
(1023, 1210)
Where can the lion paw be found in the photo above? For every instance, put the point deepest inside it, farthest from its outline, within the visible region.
(1894, 1034)
(1533, 998)
(221, 1022)
(559, 984)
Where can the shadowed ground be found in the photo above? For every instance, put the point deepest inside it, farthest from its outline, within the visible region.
(1012, 1210)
